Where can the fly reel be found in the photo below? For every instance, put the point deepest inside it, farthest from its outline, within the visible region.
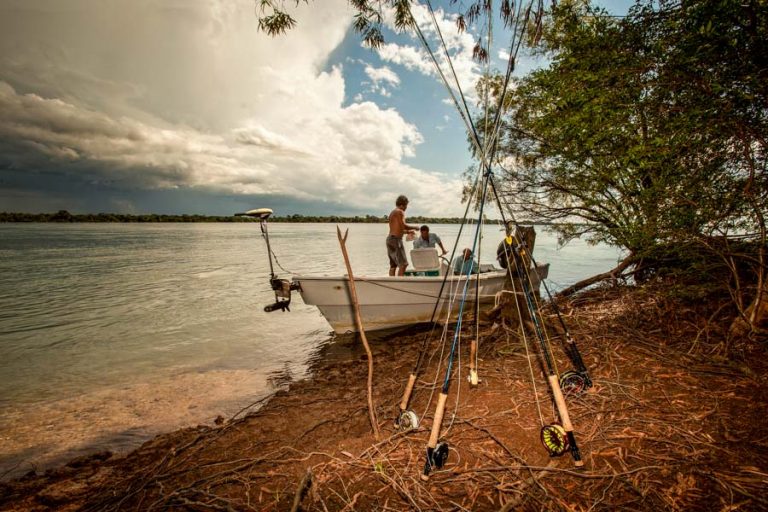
(554, 439)
(436, 457)
(573, 382)
(407, 420)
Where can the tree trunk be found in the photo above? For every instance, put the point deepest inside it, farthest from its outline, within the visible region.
(755, 317)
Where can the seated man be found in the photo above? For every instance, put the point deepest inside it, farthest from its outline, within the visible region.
(428, 240)
(465, 263)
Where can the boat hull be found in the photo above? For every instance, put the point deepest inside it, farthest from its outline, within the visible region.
(390, 302)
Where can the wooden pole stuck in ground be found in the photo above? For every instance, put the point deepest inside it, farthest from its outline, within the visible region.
(360, 329)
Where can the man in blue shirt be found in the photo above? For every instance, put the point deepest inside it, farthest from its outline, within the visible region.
(464, 263)
(428, 240)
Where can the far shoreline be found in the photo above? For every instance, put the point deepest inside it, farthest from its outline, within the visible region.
(64, 216)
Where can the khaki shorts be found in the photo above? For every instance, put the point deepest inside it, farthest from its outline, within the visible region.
(396, 252)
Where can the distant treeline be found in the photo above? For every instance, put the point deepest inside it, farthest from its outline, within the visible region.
(65, 216)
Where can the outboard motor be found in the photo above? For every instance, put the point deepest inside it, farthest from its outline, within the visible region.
(281, 287)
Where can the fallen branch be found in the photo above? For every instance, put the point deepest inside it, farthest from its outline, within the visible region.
(359, 323)
(611, 274)
(304, 485)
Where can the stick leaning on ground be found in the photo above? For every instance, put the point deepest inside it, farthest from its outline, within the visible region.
(359, 323)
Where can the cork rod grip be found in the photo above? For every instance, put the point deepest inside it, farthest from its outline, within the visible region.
(562, 410)
(439, 411)
(408, 391)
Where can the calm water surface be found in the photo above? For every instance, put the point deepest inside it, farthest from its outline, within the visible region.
(111, 333)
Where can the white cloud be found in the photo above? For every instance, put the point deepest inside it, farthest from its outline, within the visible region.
(383, 74)
(379, 77)
(170, 94)
(504, 55)
(412, 57)
(460, 46)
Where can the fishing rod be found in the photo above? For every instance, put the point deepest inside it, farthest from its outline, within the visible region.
(555, 437)
(281, 287)
(437, 451)
(407, 419)
(473, 377)
(574, 381)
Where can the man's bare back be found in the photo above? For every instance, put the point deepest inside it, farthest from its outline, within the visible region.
(397, 226)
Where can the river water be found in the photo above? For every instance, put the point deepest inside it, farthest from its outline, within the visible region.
(112, 333)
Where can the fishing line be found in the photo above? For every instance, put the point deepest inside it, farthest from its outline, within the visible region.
(557, 438)
(443, 339)
(573, 381)
(553, 436)
(405, 418)
(525, 341)
(530, 296)
(437, 453)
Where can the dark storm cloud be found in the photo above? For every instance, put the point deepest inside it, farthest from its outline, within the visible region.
(115, 99)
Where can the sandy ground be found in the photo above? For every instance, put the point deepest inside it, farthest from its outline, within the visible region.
(676, 421)
(119, 417)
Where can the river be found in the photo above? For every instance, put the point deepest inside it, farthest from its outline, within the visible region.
(112, 333)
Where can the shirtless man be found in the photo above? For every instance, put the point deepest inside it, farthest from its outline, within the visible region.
(397, 228)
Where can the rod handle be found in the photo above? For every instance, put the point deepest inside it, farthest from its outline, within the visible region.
(562, 411)
(438, 422)
(408, 392)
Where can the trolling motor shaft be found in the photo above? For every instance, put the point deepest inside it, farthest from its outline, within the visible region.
(281, 287)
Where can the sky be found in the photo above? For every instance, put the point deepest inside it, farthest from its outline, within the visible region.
(184, 106)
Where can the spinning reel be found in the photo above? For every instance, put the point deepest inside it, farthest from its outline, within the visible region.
(407, 420)
(574, 382)
(554, 439)
(436, 457)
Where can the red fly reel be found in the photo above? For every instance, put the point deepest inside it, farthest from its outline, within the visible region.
(573, 382)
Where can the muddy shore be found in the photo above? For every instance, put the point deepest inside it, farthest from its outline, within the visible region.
(676, 421)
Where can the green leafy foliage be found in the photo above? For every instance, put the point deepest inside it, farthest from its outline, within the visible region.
(369, 16)
(273, 18)
(650, 129)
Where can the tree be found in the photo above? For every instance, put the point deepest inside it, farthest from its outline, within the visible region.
(274, 19)
(646, 132)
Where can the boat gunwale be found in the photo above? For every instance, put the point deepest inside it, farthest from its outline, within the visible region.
(403, 279)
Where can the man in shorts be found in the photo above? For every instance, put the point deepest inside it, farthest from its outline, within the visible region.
(397, 228)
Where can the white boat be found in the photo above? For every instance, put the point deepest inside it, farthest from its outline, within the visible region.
(390, 302)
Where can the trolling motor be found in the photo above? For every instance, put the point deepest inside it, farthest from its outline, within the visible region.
(281, 287)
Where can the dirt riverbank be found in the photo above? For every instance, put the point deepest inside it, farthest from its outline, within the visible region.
(676, 421)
